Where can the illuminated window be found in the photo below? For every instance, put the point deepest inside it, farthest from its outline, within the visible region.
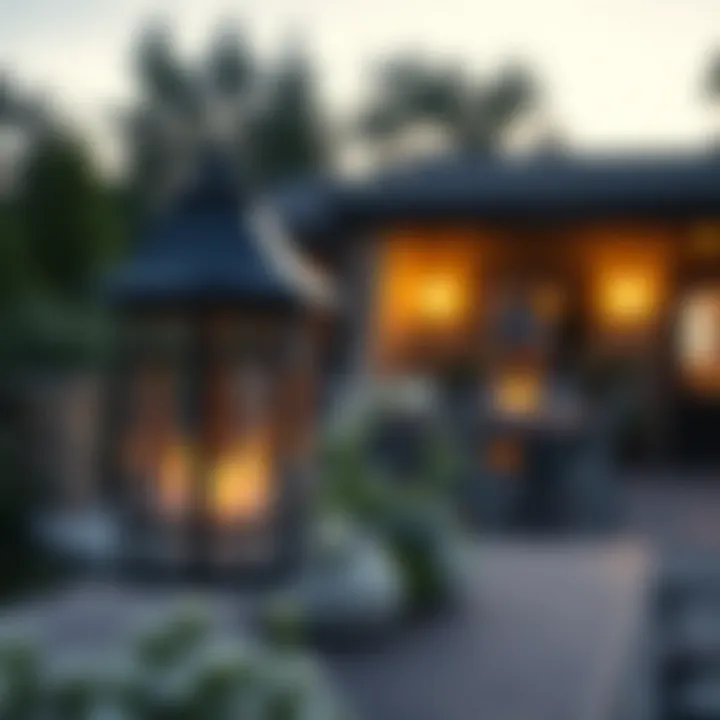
(440, 299)
(627, 286)
(426, 295)
(705, 240)
(548, 301)
(699, 340)
(628, 295)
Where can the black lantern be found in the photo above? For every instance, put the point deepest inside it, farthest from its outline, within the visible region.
(212, 419)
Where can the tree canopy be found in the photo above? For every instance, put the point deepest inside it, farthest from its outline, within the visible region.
(70, 229)
(475, 114)
(266, 114)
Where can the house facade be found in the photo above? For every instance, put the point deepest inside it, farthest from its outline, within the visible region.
(511, 281)
(617, 259)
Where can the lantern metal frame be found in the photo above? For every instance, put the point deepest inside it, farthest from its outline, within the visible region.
(206, 261)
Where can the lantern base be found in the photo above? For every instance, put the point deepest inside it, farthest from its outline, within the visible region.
(143, 572)
(236, 558)
(98, 541)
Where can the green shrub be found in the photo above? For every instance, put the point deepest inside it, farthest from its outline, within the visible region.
(47, 335)
(20, 679)
(421, 537)
(23, 564)
(284, 622)
(414, 519)
(167, 644)
(17, 496)
(350, 587)
(175, 671)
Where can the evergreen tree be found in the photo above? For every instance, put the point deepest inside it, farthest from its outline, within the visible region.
(268, 117)
(475, 115)
(289, 136)
(70, 229)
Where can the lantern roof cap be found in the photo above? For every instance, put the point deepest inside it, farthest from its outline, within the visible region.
(209, 244)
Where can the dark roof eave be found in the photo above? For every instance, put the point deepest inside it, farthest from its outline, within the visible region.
(201, 299)
(564, 189)
(362, 219)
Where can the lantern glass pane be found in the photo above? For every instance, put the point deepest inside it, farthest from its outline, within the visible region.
(157, 456)
(239, 436)
(216, 418)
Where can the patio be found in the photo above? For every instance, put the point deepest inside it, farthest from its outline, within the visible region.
(544, 631)
(545, 628)
(677, 515)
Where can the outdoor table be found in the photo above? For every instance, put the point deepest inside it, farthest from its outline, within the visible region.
(539, 448)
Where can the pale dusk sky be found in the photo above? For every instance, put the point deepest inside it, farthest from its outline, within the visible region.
(618, 74)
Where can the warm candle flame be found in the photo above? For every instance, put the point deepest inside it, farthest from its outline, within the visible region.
(238, 481)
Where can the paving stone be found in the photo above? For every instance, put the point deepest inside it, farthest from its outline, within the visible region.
(540, 634)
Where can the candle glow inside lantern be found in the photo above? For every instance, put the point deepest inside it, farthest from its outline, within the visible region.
(518, 391)
(214, 390)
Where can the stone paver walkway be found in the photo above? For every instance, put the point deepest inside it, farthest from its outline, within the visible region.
(541, 635)
(678, 515)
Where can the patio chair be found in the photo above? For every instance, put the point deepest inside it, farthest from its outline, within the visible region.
(488, 489)
(591, 481)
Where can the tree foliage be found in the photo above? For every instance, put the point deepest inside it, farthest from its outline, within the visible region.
(289, 133)
(15, 275)
(474, 114)
(61, 224)
(70, 228)
(265, 113)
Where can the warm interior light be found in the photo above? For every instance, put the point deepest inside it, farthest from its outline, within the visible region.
(706, 240)
(629, 296)
(240, 483)
(547, 301)
(699, 340)
(426, 290)
(517, 392)
(440, 299)
(628, 282)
